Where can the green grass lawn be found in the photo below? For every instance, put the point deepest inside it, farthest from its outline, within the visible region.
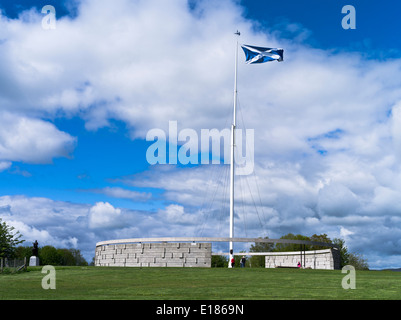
(198, 283)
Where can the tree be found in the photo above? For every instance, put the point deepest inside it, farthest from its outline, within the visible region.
(358, 261)
(259, 261)
(79, 259)
(280, 247)
(71, 257)
(344, 255)
(54, 256)
(219, 262)
(320, 238)
(9, 239)
(22, 252)
(350, 258)
(48, 255)
(66, 257)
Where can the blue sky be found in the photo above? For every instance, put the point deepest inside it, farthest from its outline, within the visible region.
(77, 102)
(377, 24)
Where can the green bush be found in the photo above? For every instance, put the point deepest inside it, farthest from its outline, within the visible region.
(219, 262)
(49, 255)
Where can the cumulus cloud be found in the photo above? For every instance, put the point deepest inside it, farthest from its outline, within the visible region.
(184, 185)
(31, 140)
(175, 214)
(136, 78)
(56, 223)
(395, 128)
(104, 215)
(329, 204)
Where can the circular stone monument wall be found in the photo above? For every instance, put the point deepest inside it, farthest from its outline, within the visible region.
(315, 259)
(154, 255)
(197, 252)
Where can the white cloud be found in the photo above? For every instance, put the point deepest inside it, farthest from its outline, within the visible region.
(4, 165)
(56, 223)
(117, 192)
(344, 233)
(175, 214)
(329, 200)
(396, 129)
(104, 215)
(144, 50)
(29, 233)
(31, 140)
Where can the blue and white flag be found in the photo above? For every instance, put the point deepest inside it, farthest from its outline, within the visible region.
(259, 55)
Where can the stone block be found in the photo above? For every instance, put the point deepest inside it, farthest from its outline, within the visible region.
(33, 261)
(190, 260)
(132, 255)
(179, 255)
(130, 251)
(175, 264)
(107, 261)
(121, 264)
(132, 264)
(203, 260)
(147, 259)
(158, 264)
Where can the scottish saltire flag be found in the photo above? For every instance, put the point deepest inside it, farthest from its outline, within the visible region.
(259, 55)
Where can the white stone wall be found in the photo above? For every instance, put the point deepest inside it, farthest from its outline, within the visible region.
(314, 259)
(154, 255)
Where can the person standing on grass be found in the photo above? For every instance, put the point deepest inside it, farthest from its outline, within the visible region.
(243, 262)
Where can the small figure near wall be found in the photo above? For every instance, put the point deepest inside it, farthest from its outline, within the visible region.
(35, 250)
(243, 260)
(34, 259)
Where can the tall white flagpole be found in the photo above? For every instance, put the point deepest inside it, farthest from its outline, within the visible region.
(232, 156)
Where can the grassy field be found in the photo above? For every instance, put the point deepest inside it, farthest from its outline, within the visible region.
(98, 283)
